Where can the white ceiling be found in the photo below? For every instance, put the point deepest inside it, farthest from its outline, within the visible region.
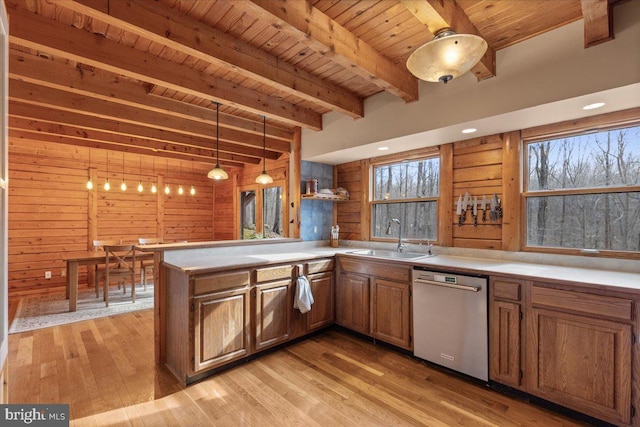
(546, 79)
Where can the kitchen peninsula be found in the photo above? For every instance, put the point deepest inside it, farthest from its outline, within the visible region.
(222, 302)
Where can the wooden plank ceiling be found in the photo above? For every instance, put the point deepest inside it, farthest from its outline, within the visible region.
(143, 76)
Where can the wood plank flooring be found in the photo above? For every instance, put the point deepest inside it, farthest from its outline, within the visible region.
(104, 369)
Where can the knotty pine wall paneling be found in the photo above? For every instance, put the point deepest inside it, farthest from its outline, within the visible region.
(225, 221)
(477, 169)
(350, 214)
(52, 213)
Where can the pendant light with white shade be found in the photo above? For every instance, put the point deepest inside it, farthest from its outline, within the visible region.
(107, 186)
(447, 56)
(264, 177)
(217, 173)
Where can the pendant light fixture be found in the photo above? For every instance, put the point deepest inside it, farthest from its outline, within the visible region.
(107, 186)
(217, 173)
(140, 187)
(123, 186)
(447, 56)
(264, 177)
(167, 190)
(154, 189)
(180, 190)
(193, 190)
(89, 182)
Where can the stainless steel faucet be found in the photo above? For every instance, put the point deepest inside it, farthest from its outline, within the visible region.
(401, 246)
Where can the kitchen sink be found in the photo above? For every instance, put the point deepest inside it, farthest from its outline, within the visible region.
(383, 253)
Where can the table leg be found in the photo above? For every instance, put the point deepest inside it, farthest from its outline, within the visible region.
(72, 277)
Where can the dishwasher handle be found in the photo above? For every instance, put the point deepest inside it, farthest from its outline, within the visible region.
(448, 285)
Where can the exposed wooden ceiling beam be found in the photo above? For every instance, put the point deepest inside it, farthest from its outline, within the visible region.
(598, 22)
(438, 14)
(19, 135)
(125, 142)
(161, 24)
(36, 32)
(309, 26)
(48, 97)
(108, 87)
(170, 139)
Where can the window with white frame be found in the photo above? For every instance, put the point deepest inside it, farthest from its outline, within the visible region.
(582, 191)
(406, 191)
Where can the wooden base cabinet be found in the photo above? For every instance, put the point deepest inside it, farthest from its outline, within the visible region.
(322, 289)
(374, 298)
(505, 313)
(573, 346)
(213, 345)
(352, 302)
(579, 356)
(391, 312)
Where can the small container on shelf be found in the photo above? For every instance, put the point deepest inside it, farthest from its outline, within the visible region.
(312, 186)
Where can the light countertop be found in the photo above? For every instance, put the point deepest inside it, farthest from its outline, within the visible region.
(212, 260)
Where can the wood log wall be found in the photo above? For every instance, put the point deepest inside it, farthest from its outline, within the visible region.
(476, 166)
(51, 212)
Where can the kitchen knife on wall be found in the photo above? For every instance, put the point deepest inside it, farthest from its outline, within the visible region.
(483, 206)
(465, 205)
(492, 214)
(475, 211)
(459, 209)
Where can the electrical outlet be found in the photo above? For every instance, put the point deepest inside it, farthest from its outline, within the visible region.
(47, 275)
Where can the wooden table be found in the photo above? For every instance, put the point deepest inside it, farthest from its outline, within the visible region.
(88, 258)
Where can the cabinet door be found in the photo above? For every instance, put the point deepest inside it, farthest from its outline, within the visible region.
(221, 328)
(504, 340)
(352, 302)
(391, 312)
(321, 313)
(581, 362)
(272, 313)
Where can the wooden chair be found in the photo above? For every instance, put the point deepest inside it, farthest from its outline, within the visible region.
(146, 265)
(99, 270)
(120, 261)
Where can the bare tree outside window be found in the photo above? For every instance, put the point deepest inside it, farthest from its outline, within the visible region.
(583, 191)
(407, 191)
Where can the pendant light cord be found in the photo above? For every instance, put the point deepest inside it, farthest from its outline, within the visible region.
(217, 134)
(264, 143)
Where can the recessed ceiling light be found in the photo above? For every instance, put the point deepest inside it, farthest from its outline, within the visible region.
(469, 130)
(593, 106)
(383, 148)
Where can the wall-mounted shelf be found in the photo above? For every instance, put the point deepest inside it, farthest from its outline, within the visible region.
(327, 197)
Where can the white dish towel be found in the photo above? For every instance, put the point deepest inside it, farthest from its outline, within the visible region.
(304, 298)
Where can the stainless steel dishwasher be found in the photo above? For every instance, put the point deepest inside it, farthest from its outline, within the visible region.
(450, 321)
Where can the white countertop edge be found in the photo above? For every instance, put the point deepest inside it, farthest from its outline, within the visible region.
(605, 272)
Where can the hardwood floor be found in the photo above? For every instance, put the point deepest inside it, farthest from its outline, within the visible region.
(104, 369)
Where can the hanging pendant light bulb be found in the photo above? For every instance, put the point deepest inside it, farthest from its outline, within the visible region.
(154, 189)
(167, 190)
(89, 182)
(217, 173)
(123, 186)
(140, 187)
(193, 190)
(264, 177)
(107, 186)
(447, 56)
(180, 190)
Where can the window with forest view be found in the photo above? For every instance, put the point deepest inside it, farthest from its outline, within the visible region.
(407, 191)
(583, 191)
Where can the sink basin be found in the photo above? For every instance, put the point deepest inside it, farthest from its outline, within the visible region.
(383, 253)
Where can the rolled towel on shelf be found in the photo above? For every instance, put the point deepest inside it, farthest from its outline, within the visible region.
(304, 298)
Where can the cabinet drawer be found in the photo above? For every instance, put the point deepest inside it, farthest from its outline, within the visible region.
(594, 305)
(219, 282)
(383, 270)
(506, 289)
(319, 266)
(274, 273)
